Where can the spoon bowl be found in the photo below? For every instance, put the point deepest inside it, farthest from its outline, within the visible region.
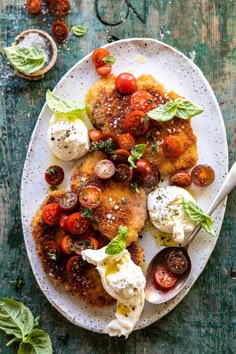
(156, 295)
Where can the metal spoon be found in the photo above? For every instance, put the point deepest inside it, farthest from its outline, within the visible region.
(158, 296)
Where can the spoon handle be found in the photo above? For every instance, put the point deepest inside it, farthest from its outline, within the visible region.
(227, 186)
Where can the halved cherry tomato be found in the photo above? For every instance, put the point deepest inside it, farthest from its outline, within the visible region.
(77, 224)
(137, 123)
(62, 222)
(180, 178)
(126, 141)
(68, 201)
(90, 197)
(172, 146)
(143, 168)
(88, 243)
(120, 155)
(94, 134)
(74, 266)
(142, 101)
(50, 250)
(177, 262)
(60, 30)
(123, 173)
(203, 175)
(150, 182)
(67, 244)
(126, 83)
(51, 213)
(54, 175)
(111, 137)
(33, 6)
(165, 278)
(59, 8)
(104, 169)
(104, 70)
(98, 55)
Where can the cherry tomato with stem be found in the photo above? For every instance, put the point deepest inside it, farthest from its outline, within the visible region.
(104, 70)
(203, 175)
(142, 101)
(126, 141)
(51, 213)
(60, 30)
(90, 197)
(177, 262)
(180, 178)
(165, 278)
(126, 83)
(33, 6)
(98, 55)
(172, 146)
(137, 123)
(77, 224)
(67, 244)
(59, 8)
(104, 169)
(123, 173)
(54, 175)
(68, 201)
(94, 134)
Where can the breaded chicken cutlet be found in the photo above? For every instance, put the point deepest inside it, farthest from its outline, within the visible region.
(108, 109)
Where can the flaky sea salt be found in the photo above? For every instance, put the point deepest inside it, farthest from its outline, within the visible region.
(35, 40)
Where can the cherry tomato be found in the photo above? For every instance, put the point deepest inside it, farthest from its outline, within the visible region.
(74, 266)
(203, 175)
(104, 169)
(180, 178)
(177, 262)
(111, 137)
(143, 168)
(50, 250)
(89, 243)
(172, 146)
(150, 182)
(33, 6)
(120, 155)
(123, 173)
(98, 55)
(94, 134)
(90, 197)
(164, 278)
(104, 70)
(137, 123)
(51, 213)
(67, 244)
(59, 30)
(126, 83)
(142, 101)
(59, 8)
(77, 224)
(68, 201)
(62, 222)
(126, 141)
(54, 175)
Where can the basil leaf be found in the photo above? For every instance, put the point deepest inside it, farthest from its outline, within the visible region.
(79, 30)
(136, 153)
(195, 213)
(109, 59)
(15, 318)
(180, 107)
(26, 59)
(37, 342)
(118, 244)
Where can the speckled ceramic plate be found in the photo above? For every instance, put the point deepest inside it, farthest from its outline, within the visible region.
(177, 73)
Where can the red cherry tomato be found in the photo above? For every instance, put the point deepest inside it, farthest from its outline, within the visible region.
(59, 8)
(120, 155)
(203, 175)
(67, 244)
(98, 55)
(54, 175)
(172, 146)
(77, 224)
(33, 6)
(137, 123)
(90, 197)
(142, 101)
(94, 134)
(110, 137)
(73, 267)
(126, 141)
(150, 182)
(68, 201)
(88, 243)
(51, 213)
(50, 250)
(62, 222)
(123, 173)
(164, 278)
(104, 169)
(177, 262)
(180, 178)
(143, 168)
(104, 70)
(126, 83)
(59, 30)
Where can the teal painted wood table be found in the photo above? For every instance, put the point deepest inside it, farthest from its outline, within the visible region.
(205, 320)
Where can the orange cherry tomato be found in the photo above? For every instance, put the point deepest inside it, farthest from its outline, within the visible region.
(51, 213)
(66, 244)
(203, 175)
(126, 141)
(90, 197)
(142, 101)
(94, 134)
(172, 146)
(33, 6)
(77, 224)
(59, 30)
(137, 123)
(98, 55)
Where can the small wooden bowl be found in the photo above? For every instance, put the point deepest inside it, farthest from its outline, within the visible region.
(52, 49)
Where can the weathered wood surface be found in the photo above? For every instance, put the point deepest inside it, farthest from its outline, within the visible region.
(204, 30)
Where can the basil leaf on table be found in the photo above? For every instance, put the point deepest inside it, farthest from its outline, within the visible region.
(180, 108)
(38, 342)
(118, 244)
(79, 30)
(26, 59)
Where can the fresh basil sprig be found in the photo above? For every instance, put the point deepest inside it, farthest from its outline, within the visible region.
(79, 30)
(136, 153)
(26, 59)
(17, 320)
(118, 244)
(195, 213)
(109, 59)
(180, 107)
